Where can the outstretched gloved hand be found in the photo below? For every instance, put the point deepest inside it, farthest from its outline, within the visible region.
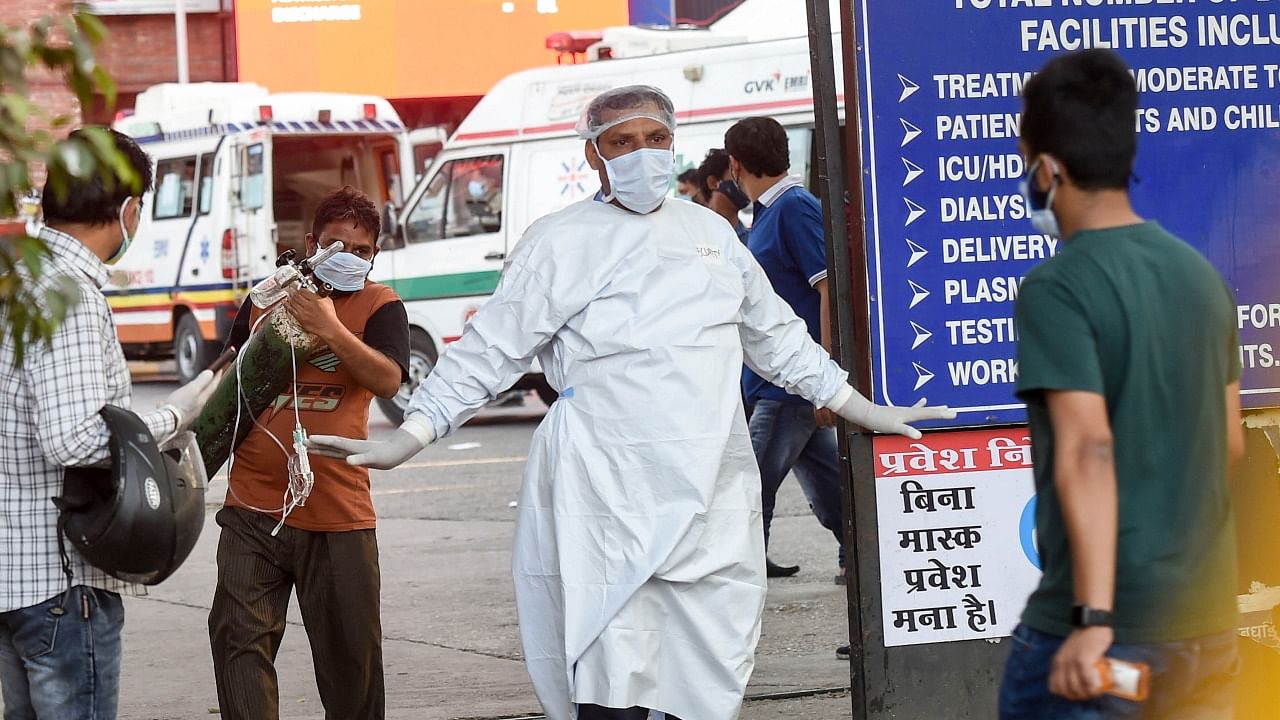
(403, 444)
(852, 406)
(187, 401)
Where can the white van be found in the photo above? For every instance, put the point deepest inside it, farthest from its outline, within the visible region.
(515, 159)
(238, 174)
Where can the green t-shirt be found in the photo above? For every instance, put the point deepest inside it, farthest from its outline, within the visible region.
(1138, 316)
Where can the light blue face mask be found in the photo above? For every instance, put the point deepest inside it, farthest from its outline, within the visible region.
(124, 233)
(344, 271)
(1040, 204)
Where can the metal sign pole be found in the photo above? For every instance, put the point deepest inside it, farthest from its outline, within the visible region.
(180, 29)
(846, 271)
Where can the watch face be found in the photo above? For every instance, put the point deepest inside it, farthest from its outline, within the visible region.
(1083, 616)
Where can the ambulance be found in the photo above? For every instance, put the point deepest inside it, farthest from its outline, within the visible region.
(238, 174)
(515, 158)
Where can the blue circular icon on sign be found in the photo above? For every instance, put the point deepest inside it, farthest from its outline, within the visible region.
(1027, 532)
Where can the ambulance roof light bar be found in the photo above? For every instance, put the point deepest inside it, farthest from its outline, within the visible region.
(572, 44)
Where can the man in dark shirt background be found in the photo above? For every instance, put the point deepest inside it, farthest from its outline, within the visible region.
(1130, 368)
(788, 432)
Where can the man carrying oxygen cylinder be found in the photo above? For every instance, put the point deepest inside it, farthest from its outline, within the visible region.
(60, 618)
(317, 540)
(639, 553)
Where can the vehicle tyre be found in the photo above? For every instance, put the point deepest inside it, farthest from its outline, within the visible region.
(191, 353)
(422, 360)
(545, 392)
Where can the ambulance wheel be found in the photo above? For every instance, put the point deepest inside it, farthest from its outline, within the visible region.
(422, 360)
(190, 351)
(545, 393)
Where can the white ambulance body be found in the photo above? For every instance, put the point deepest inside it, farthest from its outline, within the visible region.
(238, 174)
(518, 152)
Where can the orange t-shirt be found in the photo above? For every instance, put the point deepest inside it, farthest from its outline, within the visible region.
(330, 402)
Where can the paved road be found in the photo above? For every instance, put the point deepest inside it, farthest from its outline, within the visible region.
(451, 645)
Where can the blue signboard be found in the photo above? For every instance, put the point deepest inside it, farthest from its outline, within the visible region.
(651, 12)
(947, 230)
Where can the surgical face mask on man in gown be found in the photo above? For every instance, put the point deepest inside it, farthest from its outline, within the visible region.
(635, 163)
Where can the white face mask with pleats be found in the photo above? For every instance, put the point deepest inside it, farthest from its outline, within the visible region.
(640, 179)
(344, 271)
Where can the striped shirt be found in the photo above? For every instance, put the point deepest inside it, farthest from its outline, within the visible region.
(49, 420)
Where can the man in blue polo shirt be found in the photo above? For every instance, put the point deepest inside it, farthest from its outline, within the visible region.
(788, 432)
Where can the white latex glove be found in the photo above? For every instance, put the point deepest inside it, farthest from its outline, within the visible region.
(852, 406)
(404, 443)
(187, 401)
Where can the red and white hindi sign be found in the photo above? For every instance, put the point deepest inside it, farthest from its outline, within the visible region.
(957, 534)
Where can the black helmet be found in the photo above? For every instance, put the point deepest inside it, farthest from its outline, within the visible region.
(138, 519)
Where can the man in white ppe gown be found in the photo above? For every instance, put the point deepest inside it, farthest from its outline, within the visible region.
(639, 555)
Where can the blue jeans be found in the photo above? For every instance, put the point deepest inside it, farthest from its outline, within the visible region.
(61, 661)
(1190, 680)
(786, 437)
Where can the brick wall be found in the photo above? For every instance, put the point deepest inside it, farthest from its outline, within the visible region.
(142, 50)
(47, 90)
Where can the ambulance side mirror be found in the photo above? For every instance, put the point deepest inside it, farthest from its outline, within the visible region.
(392, 231)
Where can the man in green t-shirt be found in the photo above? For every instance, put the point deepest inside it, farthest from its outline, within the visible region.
(1129, 366)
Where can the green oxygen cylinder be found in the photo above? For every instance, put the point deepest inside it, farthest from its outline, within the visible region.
(265, 366)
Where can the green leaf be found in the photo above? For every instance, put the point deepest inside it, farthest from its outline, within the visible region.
(8, 205)
(81, 44)
(18, 320)
(13, 63)
(116, 166)
(18, 178)
(82, 86)
(55, 58)
(17, 107)
(66, 45)
(68, 297)
(42, 139)
(75, 158)
(105, 84)
(33, 252)
(40, 30)
(57, 185)
(92, 27)
(33, 263)
(55, 303)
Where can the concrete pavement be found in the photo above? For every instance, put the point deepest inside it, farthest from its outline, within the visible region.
(450, 638)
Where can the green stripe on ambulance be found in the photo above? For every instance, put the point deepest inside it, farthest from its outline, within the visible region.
(433, 287)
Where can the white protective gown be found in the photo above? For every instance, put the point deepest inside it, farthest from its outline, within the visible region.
(639, 552)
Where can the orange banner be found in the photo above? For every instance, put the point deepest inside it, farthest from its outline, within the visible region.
(404, 48)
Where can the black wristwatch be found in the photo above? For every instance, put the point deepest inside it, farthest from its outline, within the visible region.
(1083, 616)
